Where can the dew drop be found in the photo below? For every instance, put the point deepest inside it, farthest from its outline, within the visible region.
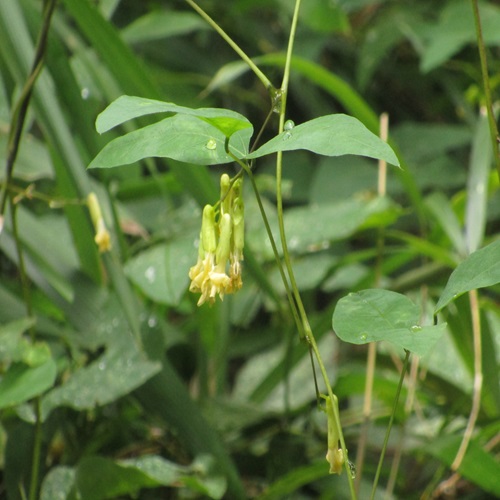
(289, 124)
(211, 144)
(352, 469)
(85, 93)
(152, 321)
(150, 274)
(415, 328)
(287, 136)
(102, 365)
(363, 337)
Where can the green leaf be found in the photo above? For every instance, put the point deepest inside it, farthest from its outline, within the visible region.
(161, 272)
(99, 478)
(478, 466)
(116, 373)
(22, 382)
(477, 185)
(313, 228)
(455, 29)
(182, 137)
(479, 270)
(162, 24)
(440, 207)
(373, 315)
(331, 135)
(57, 483)
(126, 108)
(10, 339)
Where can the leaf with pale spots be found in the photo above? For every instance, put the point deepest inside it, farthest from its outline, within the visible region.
(374, 315)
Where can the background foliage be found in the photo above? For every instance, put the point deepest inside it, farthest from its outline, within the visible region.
(108, 365)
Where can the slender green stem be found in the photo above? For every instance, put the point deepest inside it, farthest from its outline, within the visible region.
(306, 328)
(260, 75)
(21, 107)
(336, 413)
(389, 427)
(37, 450)
(20, 261)
(288, 291)
(495, 137)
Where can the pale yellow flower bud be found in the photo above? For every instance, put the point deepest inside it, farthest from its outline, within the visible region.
(102, 236)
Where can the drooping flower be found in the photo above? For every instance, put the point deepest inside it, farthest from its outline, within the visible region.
(218, 268)
(102, 236)
(334, 455)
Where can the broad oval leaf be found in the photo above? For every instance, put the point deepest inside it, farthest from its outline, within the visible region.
(161, 272)
(126, 108)
(116, 373)
(479, 270)
(181, 137)
(22, 382)
(331, 135)
(373, 315)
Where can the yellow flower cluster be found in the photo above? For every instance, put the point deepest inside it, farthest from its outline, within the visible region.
(220, 252)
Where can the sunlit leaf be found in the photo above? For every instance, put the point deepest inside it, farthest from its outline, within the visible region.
(331, 135)
(184, 138)
(126, 108)
(374, 315)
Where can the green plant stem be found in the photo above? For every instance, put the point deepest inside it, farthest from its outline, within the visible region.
(288, 291)
(336, 413)
(495, 137)
(389, 427)
(25, 285)
(21, 107)
(260, 75)
(306, 328)
(37, 449)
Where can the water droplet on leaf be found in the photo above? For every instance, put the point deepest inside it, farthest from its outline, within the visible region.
(289, 124)
(287, 136)
(150, 274)
(211, 144)
(352, 469)
(415, 328)
(363, 337)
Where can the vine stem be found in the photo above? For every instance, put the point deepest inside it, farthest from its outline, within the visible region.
(309, 336)
(17, 123)
(260, 75)
(389, 427)
(494, 136)
(21, 107)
